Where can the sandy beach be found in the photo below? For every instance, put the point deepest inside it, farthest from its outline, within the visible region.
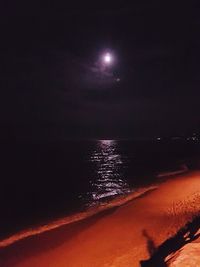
(112, 238)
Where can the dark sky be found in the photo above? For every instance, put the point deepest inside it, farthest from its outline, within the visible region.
(53, 87)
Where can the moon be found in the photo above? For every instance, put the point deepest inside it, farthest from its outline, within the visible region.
(107, 58)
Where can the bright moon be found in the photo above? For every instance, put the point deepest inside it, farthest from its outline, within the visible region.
(107, 58)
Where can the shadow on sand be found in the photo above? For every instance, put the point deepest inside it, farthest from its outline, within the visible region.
(185, 235)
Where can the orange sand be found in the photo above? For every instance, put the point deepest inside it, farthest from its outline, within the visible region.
(112, 238)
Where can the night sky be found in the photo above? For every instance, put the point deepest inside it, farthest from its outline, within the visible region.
(53, 85)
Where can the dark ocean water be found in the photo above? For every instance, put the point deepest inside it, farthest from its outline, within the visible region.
(40, 182)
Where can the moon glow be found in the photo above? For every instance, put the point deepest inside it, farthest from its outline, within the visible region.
(107, 59)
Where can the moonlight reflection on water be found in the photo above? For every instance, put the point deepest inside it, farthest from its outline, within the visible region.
(109, 166)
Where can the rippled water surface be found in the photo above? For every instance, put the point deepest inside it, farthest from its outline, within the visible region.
(109, 178)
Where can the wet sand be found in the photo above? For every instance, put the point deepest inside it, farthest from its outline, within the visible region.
(114, 237)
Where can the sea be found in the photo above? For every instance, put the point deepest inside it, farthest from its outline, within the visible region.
(45, 181)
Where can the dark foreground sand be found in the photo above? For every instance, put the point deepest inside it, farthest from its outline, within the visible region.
(113, 238)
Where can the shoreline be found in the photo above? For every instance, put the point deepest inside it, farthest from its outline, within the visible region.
(76, 217)
(113, 237)
(117, 201)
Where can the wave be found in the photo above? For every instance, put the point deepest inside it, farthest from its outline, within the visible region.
(183, 169)
(118, 201)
